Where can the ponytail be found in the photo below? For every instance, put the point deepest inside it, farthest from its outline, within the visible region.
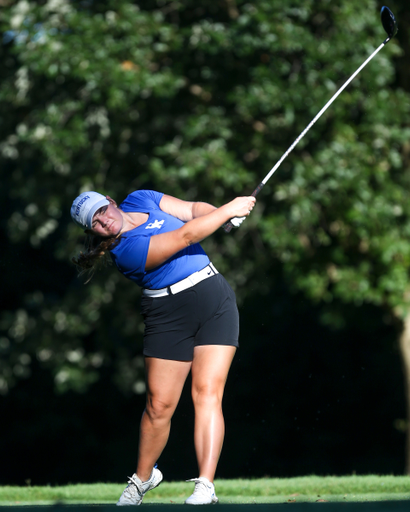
(95, 254)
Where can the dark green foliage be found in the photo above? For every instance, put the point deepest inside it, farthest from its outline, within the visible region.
(199, 100)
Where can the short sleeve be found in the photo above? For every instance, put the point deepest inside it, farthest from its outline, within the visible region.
(142, 200)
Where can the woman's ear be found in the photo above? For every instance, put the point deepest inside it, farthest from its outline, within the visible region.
(111, 200)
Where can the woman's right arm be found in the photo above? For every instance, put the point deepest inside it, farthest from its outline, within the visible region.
(165, 245)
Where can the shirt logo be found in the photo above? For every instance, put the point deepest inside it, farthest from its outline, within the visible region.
(156, 224)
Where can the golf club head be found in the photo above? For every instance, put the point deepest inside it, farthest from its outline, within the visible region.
(388, 21)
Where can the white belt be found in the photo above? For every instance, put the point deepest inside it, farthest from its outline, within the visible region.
(184, 284)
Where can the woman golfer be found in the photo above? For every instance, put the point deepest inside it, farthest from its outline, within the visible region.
(190, 314)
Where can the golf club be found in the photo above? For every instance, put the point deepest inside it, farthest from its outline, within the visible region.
(390, 26)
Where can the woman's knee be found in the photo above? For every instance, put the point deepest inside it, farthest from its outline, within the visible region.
(209, 395)
(159, 409)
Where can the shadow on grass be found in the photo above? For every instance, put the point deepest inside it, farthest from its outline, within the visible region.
(381, 506)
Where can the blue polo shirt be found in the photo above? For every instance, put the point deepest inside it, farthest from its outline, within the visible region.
(130, 255)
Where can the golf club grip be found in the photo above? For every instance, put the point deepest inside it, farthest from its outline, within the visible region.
(228, 226)
(258, 189)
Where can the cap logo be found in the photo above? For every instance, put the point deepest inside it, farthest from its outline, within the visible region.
(77, 210)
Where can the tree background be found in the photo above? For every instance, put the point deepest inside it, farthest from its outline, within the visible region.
(199, 100)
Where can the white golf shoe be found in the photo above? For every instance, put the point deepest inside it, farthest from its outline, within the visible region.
(204, 492)
(135, 490)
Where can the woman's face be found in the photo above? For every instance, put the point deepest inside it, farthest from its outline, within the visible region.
(107, 221)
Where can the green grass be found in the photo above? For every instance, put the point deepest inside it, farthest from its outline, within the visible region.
(265, 490)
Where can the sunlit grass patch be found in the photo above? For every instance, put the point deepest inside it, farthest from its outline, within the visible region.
(262, 490)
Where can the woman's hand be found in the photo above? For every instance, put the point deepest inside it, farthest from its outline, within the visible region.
(241, 206)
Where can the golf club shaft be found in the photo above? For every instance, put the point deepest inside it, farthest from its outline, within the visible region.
(228, 226)
(309, 126)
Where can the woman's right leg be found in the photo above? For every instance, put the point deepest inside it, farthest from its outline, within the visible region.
(165, 381)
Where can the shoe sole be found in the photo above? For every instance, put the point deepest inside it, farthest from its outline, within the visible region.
(212, 503)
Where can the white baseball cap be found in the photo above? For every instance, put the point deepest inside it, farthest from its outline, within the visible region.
(84, 207)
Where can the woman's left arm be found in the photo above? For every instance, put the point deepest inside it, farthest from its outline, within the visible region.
(184, 210)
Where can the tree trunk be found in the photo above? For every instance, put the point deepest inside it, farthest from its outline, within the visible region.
(405, 354)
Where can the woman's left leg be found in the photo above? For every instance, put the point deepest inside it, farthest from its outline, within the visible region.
(209, 370)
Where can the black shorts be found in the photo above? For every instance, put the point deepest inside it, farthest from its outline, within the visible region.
(205, 314)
